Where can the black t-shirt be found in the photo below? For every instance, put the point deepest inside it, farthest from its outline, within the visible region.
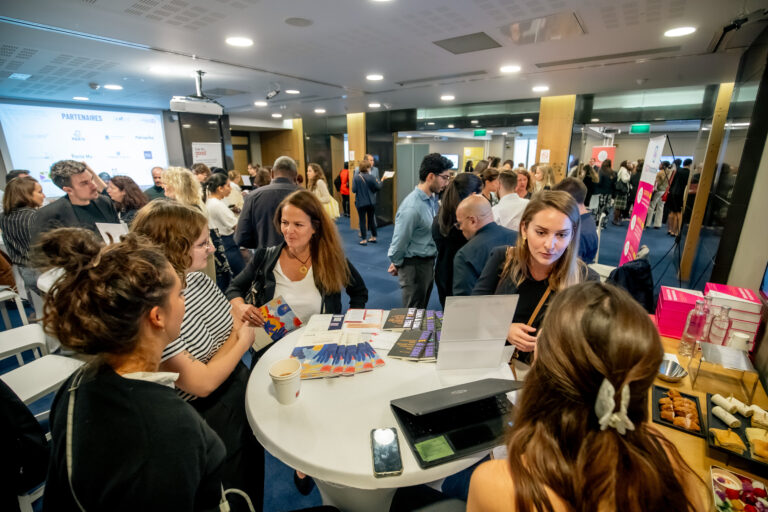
(530, 292)
(89, 215)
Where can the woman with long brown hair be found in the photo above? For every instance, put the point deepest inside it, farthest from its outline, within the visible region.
(317, 185)
(127, 196)
(308, 269)
(23, 197)
(581, 439)
(490, 177)
(544, 261)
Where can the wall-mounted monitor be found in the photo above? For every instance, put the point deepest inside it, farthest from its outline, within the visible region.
(454, 160)
(111, 141)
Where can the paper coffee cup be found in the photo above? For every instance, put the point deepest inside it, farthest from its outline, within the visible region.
(286, 377)
(739, 341)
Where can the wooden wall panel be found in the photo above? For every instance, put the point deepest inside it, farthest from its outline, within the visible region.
(555, 130)
(279, 143)
(357, 148)
(705, 182)
(337, 163)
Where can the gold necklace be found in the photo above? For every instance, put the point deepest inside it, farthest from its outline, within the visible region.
(303, 268)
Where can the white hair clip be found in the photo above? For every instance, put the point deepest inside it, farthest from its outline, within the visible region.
(605, 406)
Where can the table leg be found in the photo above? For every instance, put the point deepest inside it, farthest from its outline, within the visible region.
(350, 499)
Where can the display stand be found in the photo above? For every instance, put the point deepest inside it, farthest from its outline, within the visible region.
(729, 359)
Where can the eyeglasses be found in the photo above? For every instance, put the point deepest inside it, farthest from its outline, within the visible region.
(204, 245)
(444, 176)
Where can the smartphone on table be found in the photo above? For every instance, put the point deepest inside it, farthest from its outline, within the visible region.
(386, 452)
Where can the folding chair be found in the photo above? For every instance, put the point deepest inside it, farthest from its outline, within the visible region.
(18, 340)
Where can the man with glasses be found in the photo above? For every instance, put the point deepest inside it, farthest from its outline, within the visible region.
(474, 218)
(412, 251)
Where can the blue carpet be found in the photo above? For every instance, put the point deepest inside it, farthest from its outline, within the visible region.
(664, 258)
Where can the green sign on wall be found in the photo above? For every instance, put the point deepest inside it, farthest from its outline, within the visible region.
(479, 133)
(640, 128)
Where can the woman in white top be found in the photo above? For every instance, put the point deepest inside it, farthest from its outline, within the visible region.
(308, 271)
(222, 222)
(317, 185)
(207, 354)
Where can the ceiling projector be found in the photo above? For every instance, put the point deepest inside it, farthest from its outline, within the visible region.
(194, 105)
(197, 103)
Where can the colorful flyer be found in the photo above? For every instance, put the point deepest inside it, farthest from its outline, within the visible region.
(279, 318)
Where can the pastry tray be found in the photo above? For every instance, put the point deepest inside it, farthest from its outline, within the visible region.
(659, 393)
(715, 422)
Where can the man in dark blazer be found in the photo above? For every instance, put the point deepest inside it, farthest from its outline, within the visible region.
(83, 206)
(474, 218)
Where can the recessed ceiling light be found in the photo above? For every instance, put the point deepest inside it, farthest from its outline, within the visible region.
(277, 116)
(114, 87)
(488, 131)
(430, 123)
(447, 97)
(374, 105)
(19, 76)
(374, 77)
(239, 41)
(381, 1)
(292, 91)
(510, 69)
(680, 31)
(450, 126)
(474, 121)
(260, 103)
(186, 126)
(503, 133)
(408, 136)
(319, 111)
(595, 120)
(80, 98)
(212, 122)
(527, 120)
(540, 88)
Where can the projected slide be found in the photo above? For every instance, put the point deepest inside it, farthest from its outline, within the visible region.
(125, 143)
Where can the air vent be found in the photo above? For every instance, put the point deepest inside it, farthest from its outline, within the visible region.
(441, 78)
(468, 44)
(219, 92)
(595, 58)
(555, 27)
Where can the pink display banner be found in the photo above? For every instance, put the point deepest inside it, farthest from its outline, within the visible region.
(642, 199)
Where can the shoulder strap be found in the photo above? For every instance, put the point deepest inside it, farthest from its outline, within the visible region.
(539, 305)
(70, 425)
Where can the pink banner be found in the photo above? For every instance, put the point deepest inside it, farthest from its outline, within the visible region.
(642, 199)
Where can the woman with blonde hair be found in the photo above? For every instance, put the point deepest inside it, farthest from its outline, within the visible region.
(317, 185)
(207, 353)
(235, 198)
(581, 437)
(544, 261)
(543, 178)
(182, 186)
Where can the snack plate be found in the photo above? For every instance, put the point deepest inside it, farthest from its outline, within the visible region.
(715, 422)
(659, 393)
(728, 487)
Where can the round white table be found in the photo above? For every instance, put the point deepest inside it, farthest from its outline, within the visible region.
(326, 432)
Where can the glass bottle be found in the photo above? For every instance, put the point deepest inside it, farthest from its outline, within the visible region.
(694, 329)
(718, 331)
(711, 310)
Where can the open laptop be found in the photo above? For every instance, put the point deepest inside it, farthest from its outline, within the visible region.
(454, 422)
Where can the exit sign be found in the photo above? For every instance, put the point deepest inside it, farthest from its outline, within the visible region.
(479, 133)
(640, 128)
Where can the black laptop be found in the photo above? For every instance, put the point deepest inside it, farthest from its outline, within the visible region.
(455, 422)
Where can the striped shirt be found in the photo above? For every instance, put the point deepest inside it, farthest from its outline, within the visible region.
(16, 228)
(206, 325)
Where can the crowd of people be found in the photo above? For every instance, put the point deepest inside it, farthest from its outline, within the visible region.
(169, 312)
